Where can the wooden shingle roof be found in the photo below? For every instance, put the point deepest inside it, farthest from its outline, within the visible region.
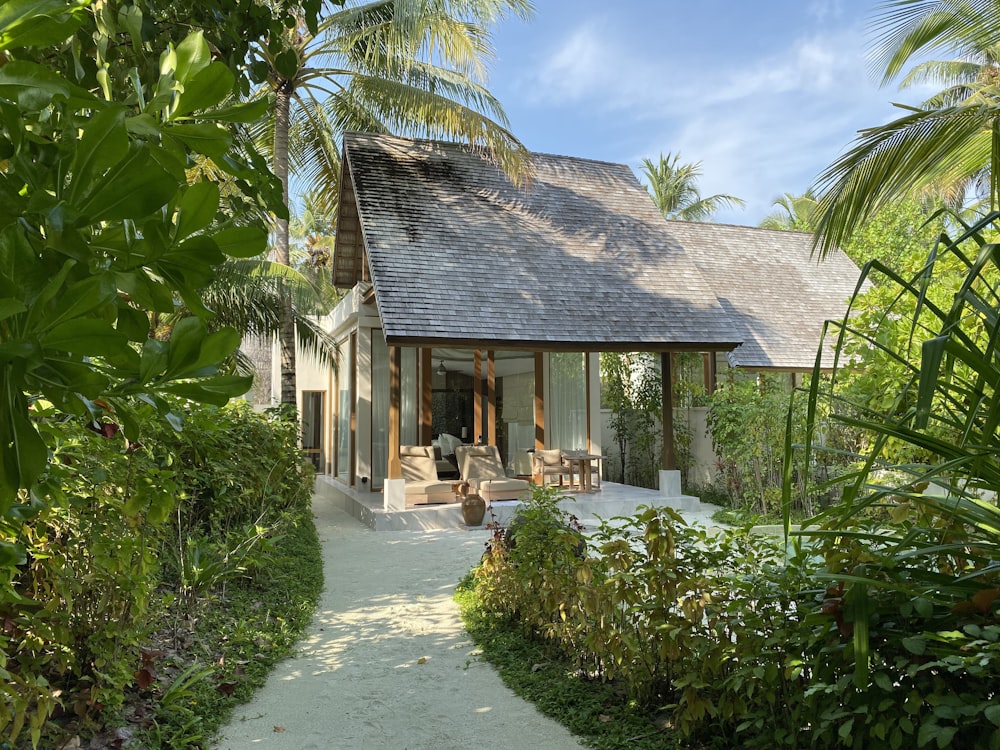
(776, 292)
(580, 259)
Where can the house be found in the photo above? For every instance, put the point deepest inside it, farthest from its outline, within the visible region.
(477, 309)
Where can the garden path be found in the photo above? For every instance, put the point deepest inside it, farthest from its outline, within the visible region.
(386, 663)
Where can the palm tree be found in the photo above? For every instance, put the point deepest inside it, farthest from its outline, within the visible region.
(674, 187)
(382, 66)
(949, 142)
(796, 212)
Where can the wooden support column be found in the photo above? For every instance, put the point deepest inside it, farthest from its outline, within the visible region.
(491, 399)
(395, 401)
(539, 403)
(477, 407)
(709, 371)
(586, 380)
(669, 459)
(426, 397)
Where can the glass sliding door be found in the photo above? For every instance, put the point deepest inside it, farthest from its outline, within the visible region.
(313, 411)
(345, 409)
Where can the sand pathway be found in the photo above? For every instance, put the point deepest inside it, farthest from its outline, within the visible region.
(386, 663)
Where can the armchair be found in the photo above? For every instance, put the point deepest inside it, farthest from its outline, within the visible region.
(482, 468)
(549, 463)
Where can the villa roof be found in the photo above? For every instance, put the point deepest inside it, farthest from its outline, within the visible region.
(775, 290)
(458, 255)
(580, 259)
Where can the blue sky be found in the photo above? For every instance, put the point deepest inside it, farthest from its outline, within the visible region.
(765, 94)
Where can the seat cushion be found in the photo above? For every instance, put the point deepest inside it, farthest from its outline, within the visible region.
(417, 462)
(500, 485)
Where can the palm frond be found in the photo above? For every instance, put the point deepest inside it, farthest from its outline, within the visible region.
(921, 148)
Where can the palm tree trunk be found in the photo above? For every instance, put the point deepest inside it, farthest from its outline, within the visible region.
(286, 335)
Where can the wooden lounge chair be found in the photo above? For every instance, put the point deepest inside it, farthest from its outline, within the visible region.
(482, 468)
(420, 472)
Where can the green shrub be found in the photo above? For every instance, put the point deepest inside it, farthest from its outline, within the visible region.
(747, 642)
(113, 527)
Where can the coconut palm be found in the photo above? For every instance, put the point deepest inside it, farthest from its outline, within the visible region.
(384, 66)
(949, 142)
(674, 187)
(797, 212)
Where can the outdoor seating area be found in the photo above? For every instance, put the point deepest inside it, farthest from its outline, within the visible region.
(613, 501)
(431, 480)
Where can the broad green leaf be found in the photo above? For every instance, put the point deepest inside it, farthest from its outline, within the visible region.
(915, 645)
(24, 451)
(197, 208)
(153, 361)
(185, 344)
(104, 143)
(206, 89)
(241, 242)
(34, 87)
(217, 391)
(131, 18)
(38, 23)
(215, 348)
(148, 293)
(9, 306)
(132, 324)
(287, 63)
(992, 714)
(193, 56)
(88, 336)
(191, 263)
(81, 298)
(133, 188)
(12, 554)
(160, 506)
(203, 138)
(249, 112)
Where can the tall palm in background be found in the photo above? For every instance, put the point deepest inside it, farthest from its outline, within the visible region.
(389, 66)
(949, 142)
(795, 212)
(674, 187)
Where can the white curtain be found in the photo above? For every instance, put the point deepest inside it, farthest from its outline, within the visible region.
(566, 405)
(410, 410)
(380, 408)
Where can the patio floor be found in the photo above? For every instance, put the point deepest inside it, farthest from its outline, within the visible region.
(612, 500)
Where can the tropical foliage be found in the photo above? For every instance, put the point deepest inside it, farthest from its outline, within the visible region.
(740, 640)
(385, 67)
(942, 147)
(674, 187)
(134, 540)
(102, 230)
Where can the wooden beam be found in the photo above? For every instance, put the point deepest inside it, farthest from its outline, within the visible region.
(477, 407)
(426, 397)
(669, 458)
(539, 403)
(395, 401)
(491, 399)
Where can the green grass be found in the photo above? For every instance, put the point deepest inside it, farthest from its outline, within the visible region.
(238, 639)
(593, 710)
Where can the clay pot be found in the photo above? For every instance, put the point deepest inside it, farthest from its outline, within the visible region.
(473, 510)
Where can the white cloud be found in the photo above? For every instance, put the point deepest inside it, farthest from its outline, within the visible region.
(763, 121)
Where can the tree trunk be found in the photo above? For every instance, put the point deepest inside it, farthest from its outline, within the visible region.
(286, 333)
